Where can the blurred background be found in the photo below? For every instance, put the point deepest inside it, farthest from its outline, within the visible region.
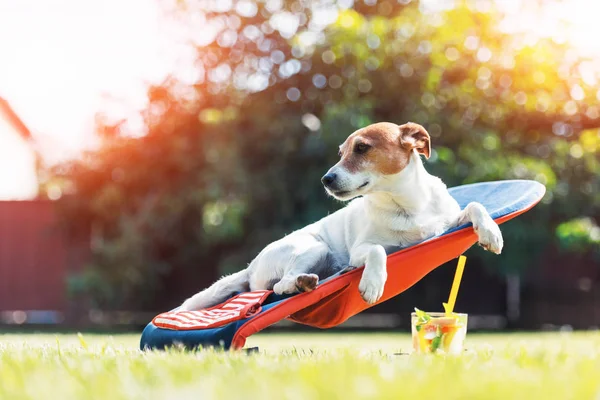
(146, 148)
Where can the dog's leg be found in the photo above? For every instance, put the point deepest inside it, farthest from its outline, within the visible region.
(488, 232)
(296, 283)
(298, 277)
(372, 283)
(218, 292)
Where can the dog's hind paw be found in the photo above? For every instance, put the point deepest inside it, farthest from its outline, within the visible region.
(307, 282)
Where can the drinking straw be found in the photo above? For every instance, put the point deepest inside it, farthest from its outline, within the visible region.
(449, 307)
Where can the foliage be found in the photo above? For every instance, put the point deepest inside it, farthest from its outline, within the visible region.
(232, 161)
(579, 235)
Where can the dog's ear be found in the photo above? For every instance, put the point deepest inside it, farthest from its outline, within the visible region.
(414, 136)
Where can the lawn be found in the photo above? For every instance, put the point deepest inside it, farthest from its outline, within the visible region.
(309, 366)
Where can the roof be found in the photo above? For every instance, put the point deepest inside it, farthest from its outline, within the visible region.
(11, 116)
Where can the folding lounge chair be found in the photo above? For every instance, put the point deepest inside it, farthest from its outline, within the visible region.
(336, 298)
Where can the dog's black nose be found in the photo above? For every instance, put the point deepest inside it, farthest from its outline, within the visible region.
(328, 179)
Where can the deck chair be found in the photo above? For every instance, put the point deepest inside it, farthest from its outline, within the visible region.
(337, 298)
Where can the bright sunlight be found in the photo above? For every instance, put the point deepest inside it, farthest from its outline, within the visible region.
(61, 58)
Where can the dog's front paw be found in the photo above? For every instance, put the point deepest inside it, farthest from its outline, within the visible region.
(371, 287)
(490, 237)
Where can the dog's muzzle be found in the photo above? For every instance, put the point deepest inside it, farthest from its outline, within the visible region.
(329, 180)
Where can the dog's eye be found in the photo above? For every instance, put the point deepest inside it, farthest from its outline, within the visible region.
(361, 148)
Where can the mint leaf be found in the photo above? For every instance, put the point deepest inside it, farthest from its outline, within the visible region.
(422, 316)
(435, 343)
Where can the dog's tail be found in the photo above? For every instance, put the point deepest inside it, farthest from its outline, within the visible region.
(220, 291)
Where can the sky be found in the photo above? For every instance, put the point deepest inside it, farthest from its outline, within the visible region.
(60, 58)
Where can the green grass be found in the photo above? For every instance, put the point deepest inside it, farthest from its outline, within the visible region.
(309, 366)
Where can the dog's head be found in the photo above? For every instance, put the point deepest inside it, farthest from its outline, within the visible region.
(372, 155)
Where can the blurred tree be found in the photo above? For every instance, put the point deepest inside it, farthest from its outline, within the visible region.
(232, 160)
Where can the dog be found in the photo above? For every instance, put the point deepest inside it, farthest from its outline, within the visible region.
(395, 204)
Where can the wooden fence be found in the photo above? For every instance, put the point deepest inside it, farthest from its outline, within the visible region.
(35, 261)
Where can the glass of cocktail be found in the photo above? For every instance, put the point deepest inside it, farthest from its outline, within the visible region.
(432, 332)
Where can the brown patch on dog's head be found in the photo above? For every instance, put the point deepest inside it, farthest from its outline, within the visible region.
(384, 147)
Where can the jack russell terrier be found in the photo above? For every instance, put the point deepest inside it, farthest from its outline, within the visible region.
(400, 205)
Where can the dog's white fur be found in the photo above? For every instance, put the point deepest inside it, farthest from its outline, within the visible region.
(395, 210)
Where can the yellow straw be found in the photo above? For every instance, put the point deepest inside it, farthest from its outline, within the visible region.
(449, 307)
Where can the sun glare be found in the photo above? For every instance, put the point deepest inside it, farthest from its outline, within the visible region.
(573, 22)
(17, 166)
(59, 58)
(583, 29)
